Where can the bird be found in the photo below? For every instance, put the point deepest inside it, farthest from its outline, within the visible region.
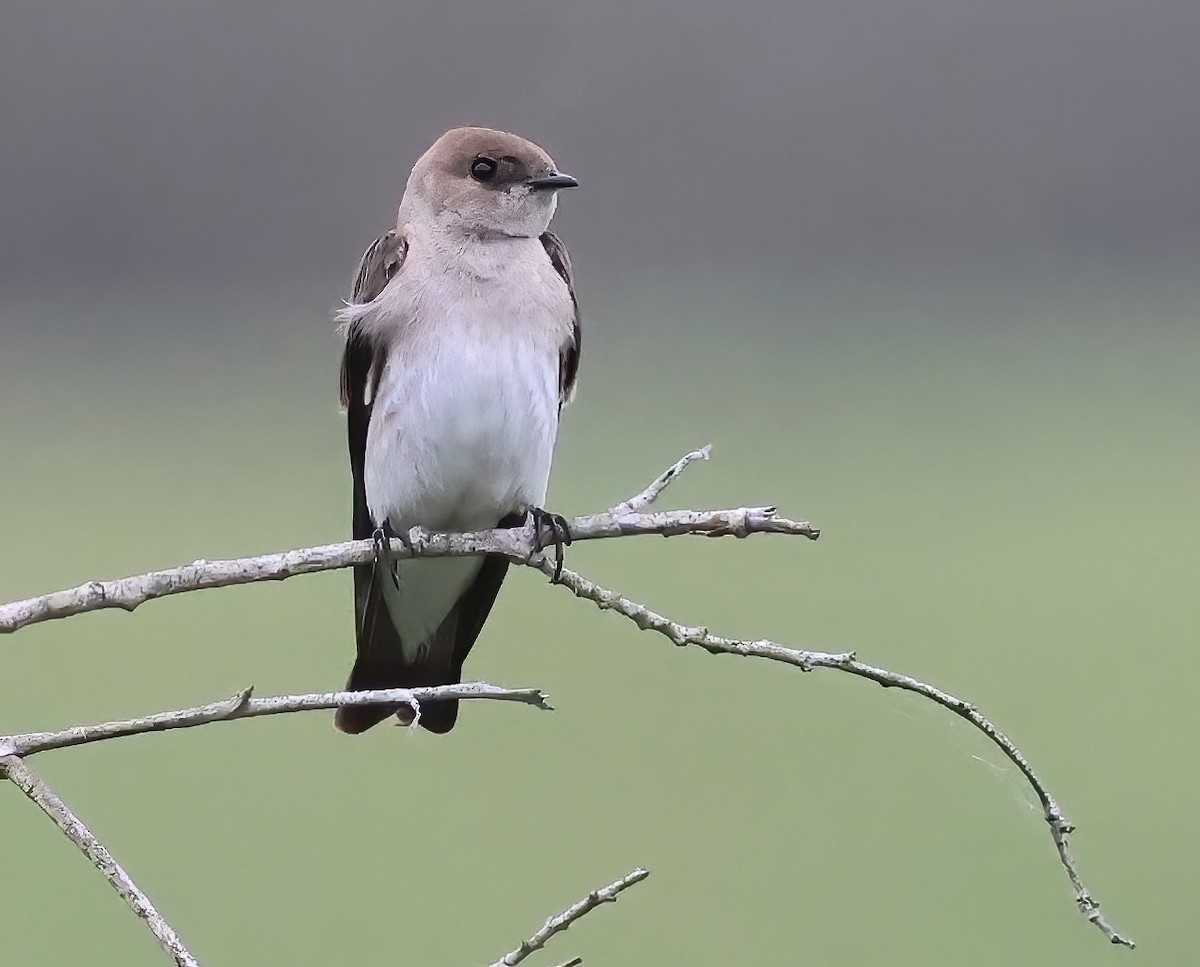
(462, 346)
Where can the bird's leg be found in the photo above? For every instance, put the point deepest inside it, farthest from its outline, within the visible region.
(560, 536)
(382, 537)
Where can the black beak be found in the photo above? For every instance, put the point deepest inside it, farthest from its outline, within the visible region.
(551, 182)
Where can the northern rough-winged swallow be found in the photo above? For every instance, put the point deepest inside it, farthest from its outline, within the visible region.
(462, 346)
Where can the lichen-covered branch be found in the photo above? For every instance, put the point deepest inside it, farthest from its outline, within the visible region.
(243, 706)
(518, 544)
(553, 925)
(15, 748)
(29, 782)
(700, 636)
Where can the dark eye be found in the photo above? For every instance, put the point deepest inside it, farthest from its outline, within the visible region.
(483, 169)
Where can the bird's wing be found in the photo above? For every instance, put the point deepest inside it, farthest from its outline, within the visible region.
(568, 359)
(363, 360)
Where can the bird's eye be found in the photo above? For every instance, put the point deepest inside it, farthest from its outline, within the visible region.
(483, 168)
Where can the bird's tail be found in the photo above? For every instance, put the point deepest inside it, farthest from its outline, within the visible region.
(389, 671)
(381, 662)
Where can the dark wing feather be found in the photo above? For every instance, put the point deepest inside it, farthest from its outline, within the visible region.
(379, 263)
(568, 360)
(362, 365)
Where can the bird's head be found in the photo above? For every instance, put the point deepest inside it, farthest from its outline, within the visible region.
(484, 182)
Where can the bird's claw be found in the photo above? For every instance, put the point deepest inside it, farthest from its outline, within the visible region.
(560, 536)
(381, 537)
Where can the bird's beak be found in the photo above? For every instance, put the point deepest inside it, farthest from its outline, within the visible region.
(551, 182)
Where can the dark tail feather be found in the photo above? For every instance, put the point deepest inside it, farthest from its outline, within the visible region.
(367, 674)
(373, 673)
(380, 662)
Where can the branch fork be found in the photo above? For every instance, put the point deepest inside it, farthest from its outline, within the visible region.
(627, 518)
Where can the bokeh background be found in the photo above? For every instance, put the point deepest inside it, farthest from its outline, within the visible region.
(922, 271)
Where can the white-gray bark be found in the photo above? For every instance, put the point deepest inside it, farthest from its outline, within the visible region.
(520, 545)
(516, 544)
(17, 771)
(558, 924)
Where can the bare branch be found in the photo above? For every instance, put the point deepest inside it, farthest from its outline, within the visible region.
(517, 544)
(679, 634)
(521, 546)
(30, 783)
(646, 497)
(242, 706)
(560, 923)
(14, 748)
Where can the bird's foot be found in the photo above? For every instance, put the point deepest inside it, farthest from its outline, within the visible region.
(382, 537)
(559, 536)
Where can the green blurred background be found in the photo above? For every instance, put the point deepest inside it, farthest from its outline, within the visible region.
(923, 273)
(1005, 472)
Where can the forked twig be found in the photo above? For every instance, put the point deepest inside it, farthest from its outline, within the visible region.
(626, 518)
(553, 925)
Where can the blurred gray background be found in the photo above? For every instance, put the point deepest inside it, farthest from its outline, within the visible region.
(922, 271)
(250, 139)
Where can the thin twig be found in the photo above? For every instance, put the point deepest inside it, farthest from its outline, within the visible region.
(645, 498)
(30, 783)
(14, 748)
(681, 634)
(517, 544)
(647, 620)
(242, 706)
(560, 923)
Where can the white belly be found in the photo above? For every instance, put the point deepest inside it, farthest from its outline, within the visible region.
(462, 434)
(426, 593)
(462, 431)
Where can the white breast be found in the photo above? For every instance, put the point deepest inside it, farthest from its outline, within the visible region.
(463, 430)
(465, 416)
